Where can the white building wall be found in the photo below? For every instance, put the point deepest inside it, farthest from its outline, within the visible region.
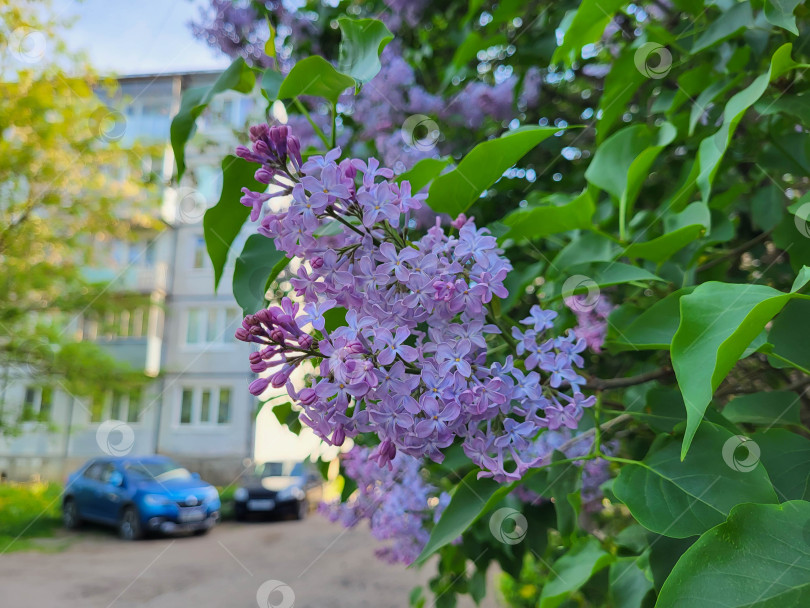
(180, 281)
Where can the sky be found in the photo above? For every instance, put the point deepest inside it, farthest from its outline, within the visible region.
(125, 37)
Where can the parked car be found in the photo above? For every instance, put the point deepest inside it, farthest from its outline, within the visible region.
(278, 488)
(139, 496)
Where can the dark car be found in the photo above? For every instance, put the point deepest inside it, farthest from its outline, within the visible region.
(140, 495)
(278, 489)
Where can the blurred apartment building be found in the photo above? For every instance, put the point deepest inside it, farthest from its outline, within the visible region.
(197, 409)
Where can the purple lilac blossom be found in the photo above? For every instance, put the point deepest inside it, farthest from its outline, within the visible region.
(591, 320)
(233, 27)
(410, 366)
(396, 501)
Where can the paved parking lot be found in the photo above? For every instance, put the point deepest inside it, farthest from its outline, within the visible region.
(323, 565)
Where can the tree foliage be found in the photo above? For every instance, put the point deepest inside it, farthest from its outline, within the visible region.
(66, 188)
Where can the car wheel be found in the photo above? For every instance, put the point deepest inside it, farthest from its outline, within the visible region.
(302, 510)
(70, 515)
(240, 514)
(129, 524)
(201, 531)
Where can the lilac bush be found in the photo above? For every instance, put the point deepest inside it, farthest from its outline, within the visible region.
(380, 109)
(411, 364)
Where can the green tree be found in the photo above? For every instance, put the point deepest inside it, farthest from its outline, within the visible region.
(65, 187)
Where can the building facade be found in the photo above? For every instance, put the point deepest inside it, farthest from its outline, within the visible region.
(197, 408)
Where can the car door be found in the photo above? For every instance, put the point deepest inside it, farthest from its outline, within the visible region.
(85, 490)
(111, 493)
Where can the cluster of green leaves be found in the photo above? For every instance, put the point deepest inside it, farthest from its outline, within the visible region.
(682, 201)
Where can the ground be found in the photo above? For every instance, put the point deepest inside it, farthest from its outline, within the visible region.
(324, 565)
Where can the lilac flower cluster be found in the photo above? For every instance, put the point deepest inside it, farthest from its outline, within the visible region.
(410, 364)
(591, 320)
(233, 27)
(396, 501)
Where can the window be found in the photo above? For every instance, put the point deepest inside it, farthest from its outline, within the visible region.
(193, 333)
(233, 319)
(207, 326)
(97, 409)
(212, 329)
(185, 407)
(224, 415)
(116, 405)
(37, 404)
(94, 471)
(205, 406)
(118, 324)
(105, 472)
(45, 404)
(205, 410)
(134, 406)
(200, 254)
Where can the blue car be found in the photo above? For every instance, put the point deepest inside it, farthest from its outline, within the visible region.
(140, 495)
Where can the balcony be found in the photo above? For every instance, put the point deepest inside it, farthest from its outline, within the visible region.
(142, 279)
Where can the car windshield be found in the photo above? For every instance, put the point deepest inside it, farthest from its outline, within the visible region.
(159, 470)
(280, 469)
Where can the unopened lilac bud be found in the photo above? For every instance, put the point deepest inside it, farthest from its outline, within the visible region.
(258, 132)
(294, 149)
(305, 341)
(278, 138)
(242, 334)
(459, 221)
(384, 453)
(263, 176)
(258, 386)
(264, 316)
(279, 379)
(259, 366)
(307, 396)
(339, 436)
(317, 262)
(263, 149)
(355, 347)
(277, 335)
